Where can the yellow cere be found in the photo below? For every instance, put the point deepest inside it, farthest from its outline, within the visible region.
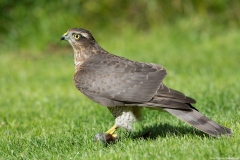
(65, 34)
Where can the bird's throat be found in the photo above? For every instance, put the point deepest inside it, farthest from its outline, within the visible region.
(79, 57)
(78, 60)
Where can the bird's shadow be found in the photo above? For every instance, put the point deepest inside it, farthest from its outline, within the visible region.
(154, 131)
(164, 130)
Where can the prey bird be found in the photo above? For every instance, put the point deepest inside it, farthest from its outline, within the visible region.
(125, 86)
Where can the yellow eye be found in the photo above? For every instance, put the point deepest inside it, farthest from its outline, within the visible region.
(76, 36)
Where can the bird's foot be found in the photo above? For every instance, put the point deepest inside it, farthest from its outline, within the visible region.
(108, 137)
(105, 138)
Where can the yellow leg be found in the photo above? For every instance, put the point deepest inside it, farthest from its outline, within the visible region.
(112, 130)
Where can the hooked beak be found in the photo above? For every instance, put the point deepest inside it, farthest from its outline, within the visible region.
(64, 36)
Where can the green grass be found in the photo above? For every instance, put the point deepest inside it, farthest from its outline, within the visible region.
(43, 116)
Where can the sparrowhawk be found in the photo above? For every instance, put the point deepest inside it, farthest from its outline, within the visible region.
(125, 86)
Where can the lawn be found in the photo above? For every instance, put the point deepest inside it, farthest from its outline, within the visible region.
(43, 116)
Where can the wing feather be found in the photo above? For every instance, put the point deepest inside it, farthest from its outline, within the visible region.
(119, 79)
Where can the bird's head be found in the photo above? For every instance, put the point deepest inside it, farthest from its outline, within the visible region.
(78, 37)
